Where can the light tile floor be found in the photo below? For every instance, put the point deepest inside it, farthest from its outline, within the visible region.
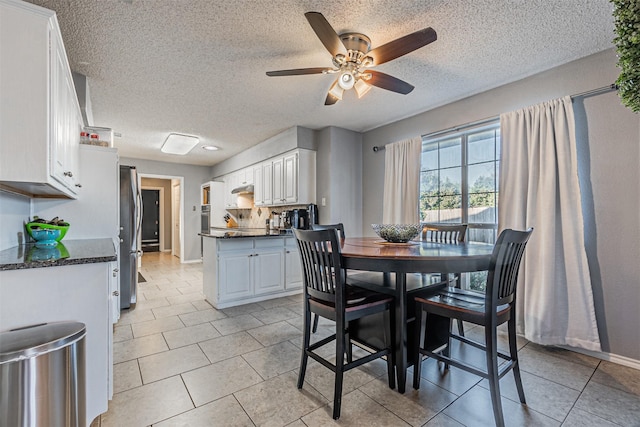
(180, 362)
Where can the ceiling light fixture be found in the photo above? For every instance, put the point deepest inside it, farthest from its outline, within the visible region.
(210, 147)
(336, 90)
(177, 143)
(361, 87)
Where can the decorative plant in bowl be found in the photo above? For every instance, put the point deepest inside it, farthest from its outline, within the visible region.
(397, 233)
(47, 233)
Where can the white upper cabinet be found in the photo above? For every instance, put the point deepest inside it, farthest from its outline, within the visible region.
(40, 119)
(294, 178)
(258, 185)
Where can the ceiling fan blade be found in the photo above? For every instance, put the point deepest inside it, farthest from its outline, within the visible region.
(298, 71)
(325, 33)
(396, 48)
(385, 81)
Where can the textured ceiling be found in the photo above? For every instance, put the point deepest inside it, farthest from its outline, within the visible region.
(198, 66)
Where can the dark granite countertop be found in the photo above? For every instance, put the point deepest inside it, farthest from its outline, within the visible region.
(67, 252)
(233, 233)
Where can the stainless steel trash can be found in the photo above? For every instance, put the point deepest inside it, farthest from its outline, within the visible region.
(42, 375)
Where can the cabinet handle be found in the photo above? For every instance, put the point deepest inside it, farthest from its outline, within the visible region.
(79, 185)
(256, 254)
(250, 255)
(68, 173)
(116, 293)
(288, 252)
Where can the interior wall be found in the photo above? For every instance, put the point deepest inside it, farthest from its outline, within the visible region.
(193, 177)
(167, 215)
(14, 213)
(610, 154)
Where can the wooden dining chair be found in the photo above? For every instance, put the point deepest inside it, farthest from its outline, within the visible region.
(447, 233)
(495, 307)
(327, 294)
(340, 227)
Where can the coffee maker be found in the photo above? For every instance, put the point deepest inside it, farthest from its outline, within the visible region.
(312, 213)
(299, 218)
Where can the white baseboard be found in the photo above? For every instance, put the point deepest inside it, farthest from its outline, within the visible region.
(609, 357)
(190, 261)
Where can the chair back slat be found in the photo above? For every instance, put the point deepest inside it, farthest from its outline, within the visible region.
(502, 278)
(444, 233)
(322, 271)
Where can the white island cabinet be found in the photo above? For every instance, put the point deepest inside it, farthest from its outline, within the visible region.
(249, 269)
(40, 119)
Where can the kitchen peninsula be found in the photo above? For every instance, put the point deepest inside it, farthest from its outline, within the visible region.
(242, 266)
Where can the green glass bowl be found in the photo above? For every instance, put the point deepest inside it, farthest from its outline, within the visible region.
(32, 226)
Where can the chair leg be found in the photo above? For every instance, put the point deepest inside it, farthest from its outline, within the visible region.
(348, 347)
(337, 392)
(491, 341)
(447, 350)
(458, 284)
(417, 367)
(460, 328)
(305, 344)
(513, 350)
(315, 323)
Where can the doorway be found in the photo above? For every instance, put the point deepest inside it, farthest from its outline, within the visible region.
(151, 220)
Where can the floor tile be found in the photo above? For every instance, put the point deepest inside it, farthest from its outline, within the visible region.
(562, 353)
(357, 410)
(147, 404)
(415, 407)
(289, 405)
(441, 420)
(579, 418)
(274, 360)
(225, 412)
(201, 305)
(234, 324)
(172, 362)
(219, 379)
(276, 302)
(611, 404)
(542, 395)
(618, 376)
(128, 317)
(157, 326)
(242, 309)
(276, 314)
(151, 303)
(190, 335)
(454, 380)
(228, 346)
(182, 298)
(474, 409)
(138, 347)
(126, 375)
(122, 333)
(201, 316)
(559, 370)
(275, 333)
(161, 293)
(173, 310)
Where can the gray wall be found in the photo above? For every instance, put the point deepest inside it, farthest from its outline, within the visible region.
(339, 178)
(609, 149)
(193, 177)
(15, 211)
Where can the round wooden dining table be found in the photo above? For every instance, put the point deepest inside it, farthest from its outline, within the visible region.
(400, 260)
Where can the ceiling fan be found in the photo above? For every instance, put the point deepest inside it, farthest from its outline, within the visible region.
(353, 56)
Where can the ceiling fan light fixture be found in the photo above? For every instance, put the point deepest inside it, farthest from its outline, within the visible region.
(346, 80)
(361, 87)
(336, 90)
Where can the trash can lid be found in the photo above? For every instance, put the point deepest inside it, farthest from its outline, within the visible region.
(31, 341)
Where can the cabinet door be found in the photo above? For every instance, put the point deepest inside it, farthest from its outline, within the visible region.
(230, 182)
(278, 170)
(267, 187)
(290, 179)
(258, 186)
(293, 269)
(268, 271)
(235, 275)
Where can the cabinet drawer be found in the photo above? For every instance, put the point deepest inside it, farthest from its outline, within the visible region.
(270, 242)
(234, 244)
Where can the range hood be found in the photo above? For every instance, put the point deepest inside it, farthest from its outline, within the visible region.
(243, 189)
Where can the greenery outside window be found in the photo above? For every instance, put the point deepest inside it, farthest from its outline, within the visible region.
(459, 184)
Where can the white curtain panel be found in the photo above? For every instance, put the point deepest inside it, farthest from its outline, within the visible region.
(539, 188)
(402, 182)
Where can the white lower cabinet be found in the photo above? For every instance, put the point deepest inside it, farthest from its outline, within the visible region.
(293, 269)
(242, 270)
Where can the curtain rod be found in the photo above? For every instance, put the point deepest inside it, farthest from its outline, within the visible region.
(592, 92)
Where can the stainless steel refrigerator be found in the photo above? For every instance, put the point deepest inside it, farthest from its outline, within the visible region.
(130, 228)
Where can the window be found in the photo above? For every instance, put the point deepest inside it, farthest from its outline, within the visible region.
(459, 183)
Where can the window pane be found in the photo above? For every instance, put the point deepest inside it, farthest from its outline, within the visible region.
(450, 209)
(498, 144)
(481, 147)
(429, 159)
(429, 182)
(478, 281)
(481, 177)
(450, 153)
(429, 209)
(451, 181)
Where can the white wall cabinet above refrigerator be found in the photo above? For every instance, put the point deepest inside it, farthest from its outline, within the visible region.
(40, 118)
